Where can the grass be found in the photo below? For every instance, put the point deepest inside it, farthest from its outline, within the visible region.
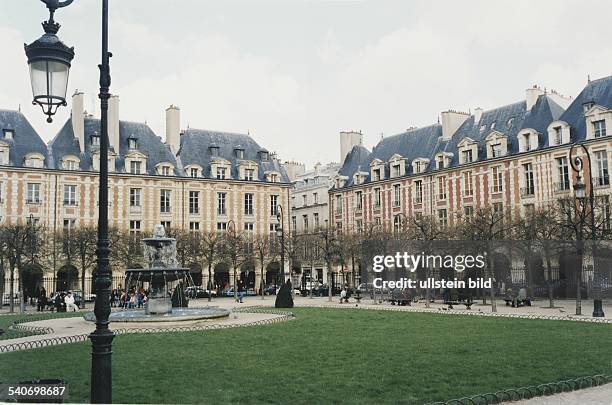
(7, 320)
(329, 356)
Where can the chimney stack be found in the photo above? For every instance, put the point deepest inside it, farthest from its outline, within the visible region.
(78, 118)
(113, 122)
(477, 115)
(451, 121)
(531, 96)
(173, 128)
(348, 140)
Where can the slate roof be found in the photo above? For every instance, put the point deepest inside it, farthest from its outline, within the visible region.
(598, 92)
(25, 138)
(149, 144)
(426, 142)
(195, 149)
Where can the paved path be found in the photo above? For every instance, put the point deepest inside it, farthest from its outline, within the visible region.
(588, 396)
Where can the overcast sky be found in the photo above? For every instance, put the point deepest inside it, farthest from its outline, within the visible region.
(295, 72)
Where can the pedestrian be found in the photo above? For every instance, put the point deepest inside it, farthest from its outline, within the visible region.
(343, 295)
(240, 292)
(69, 300)
(133, 300)
(42, 299)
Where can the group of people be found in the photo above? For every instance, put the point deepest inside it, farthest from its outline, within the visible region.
(132, 298)
(61, 302)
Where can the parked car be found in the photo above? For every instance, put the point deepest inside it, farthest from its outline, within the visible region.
(199, 292)
(270, 289)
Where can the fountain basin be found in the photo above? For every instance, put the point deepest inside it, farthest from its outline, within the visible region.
(177, 315)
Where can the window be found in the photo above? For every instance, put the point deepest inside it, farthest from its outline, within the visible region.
(273, 205)
(214, 150)
(396, 171)
(194, 202)
(263, 155)
(164, 201)
(562, 174)
(33, 193)
(418, 191)
(467, 156)
(529, 188)
(304, 200)
(315, 221)
(249, 226)
(240, 153)
(603, 178)
(248, 204)
(221, 173)
(132, 143)
(194, 226)
(358, 200)
(135, 166)
(526, 142)
(442, 188)
(135, 197)
(71, 164)
(95, 140)
(249, 174)
(221, 226)
(419, 167)
(3, 157)
(558, 135)
(468, 211)
(442, 217)
(498, 179)
(294, 223)
(305, 222)
(397, 195)
(165, 171)
(315, 198)
(599, 128)
(338, 204)
(468, 184)
(135, 226)
(69, 194)
(440, 162)
(68, 224)
(273, 178)
(166, 225)
(376, 198)
(221, 204)
(496, 150)
(376, 174)
(397, 223)
(8, 134)
(193, 172)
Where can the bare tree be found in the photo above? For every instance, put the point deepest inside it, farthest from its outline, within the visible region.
(234, 251)
(84, 242)
(262, 246)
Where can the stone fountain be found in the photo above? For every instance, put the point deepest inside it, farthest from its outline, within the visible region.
(162, 270)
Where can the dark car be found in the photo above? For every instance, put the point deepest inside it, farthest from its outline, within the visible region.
(270, 289)
(198, 292)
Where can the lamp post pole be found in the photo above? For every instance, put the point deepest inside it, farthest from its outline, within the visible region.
(281, 233)
(231, 225)
(49, 61)
(577, 166)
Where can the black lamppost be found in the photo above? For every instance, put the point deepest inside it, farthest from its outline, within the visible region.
(579, 188)
(280, 232)
(231, 231)
(49, 61)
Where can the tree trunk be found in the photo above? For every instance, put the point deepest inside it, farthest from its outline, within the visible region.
(20, 292)
(12, 287)
(551, 302)
(330, 277)
(262, 281)
(235, 284)
(210, 284)
(83, 286)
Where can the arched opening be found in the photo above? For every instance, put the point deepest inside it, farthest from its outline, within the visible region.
(32, 280)
(222, 277)
(67, 278)
(272, 273)
(195, 271)
(247, 275)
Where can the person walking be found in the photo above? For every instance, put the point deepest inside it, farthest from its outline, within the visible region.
(69, 300)
(240, 291)
(42, 300)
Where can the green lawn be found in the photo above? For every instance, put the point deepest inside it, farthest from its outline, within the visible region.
(7, 320)
(332, 356)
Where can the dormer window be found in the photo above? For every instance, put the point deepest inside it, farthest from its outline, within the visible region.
(35, 159)
(214, 150)
(249, 174)
(264, 155)
(419, 165)
(239, 153)
(8, 134)
(467, 156)
(376, 174)
(443, 160)
(359, 177)
(165, 169)
(221, 171)
(132, 143)
(70, 163)
(135, 167)
(4, 153)
(587, 106)
(377, 170)
(272, 177)
(558, 133)
(468, 150)
(528, 140)
(497, 145)
(95, 140)
(193, 172)
(599, 128)
(397, 165)
(558, 136)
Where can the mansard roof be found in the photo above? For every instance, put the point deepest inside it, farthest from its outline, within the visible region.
(25, 138)
(196, 144)
(149, 144)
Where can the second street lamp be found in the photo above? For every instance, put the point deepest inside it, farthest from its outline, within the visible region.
(280, 232)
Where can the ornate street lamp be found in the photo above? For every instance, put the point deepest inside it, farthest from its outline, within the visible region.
(280, 232)
(49, 60)
(579, 189)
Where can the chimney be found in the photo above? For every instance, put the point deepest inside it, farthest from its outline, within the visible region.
(477, 115)
(78, 119)
(113, 122)
(173, 128)
(531, 96)
(348, 140)
(451, 121)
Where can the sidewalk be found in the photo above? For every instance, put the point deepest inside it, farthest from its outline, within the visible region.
(589, 396)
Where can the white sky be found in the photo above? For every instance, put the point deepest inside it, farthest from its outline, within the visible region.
(294, 73)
